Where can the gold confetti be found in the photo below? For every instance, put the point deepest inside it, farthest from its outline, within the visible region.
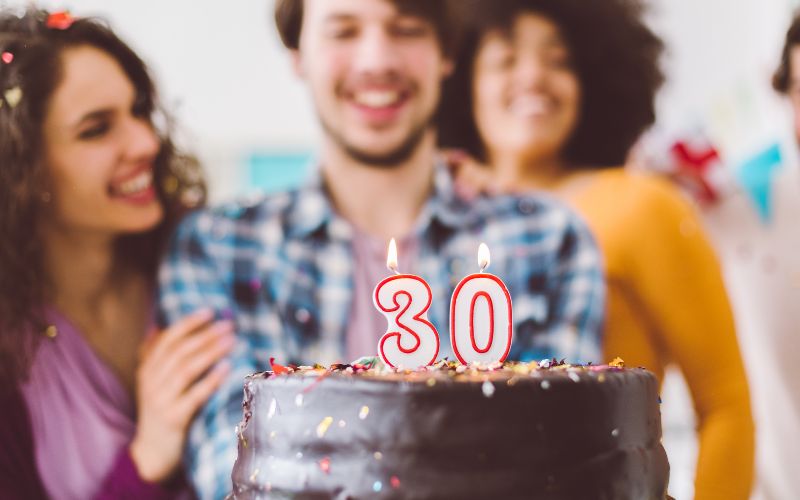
(323, 426)
(601, 378)
(617, 363)
(51, 332)
(170, 184)
(364, 412)
(431, 382)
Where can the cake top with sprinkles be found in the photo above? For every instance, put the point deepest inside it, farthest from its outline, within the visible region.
(373, 368)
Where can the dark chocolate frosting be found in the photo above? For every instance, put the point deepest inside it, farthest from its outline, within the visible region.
(512, 432)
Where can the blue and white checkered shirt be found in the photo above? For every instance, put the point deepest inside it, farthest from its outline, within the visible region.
(282, 267)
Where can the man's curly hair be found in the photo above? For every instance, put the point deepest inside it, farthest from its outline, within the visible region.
(614, 55)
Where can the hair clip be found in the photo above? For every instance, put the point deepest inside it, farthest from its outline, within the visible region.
(60, 20)
(12, 96)
(7, 57)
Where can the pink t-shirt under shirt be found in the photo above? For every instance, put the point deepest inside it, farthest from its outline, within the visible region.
(367, 325)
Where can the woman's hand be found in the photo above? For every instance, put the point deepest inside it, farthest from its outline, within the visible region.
(175, 377)
(472, 179)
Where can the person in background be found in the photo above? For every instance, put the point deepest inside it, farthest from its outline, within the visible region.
(297, 270)
(94, 406)
(786, 79)
(550, 95)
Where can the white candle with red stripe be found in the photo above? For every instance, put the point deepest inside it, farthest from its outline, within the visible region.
(410, 340)
(481, 321)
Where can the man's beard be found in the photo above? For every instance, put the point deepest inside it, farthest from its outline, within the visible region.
(388, 160)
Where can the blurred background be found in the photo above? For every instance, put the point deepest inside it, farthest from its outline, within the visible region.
(225, 77)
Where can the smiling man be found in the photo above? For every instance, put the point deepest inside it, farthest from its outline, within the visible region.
(297, 270)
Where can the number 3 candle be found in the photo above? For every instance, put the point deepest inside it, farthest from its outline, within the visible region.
(411, 340)
(480, 316)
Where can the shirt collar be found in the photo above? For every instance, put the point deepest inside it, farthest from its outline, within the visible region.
(313, 210)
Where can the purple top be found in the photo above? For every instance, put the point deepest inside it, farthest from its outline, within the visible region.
(78, 424)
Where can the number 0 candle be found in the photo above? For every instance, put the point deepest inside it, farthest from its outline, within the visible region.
(481, 323)
(411, 340)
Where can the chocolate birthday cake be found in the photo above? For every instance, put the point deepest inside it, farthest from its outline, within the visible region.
(510, 431)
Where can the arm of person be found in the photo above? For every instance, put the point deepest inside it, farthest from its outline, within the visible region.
(578, 292)
(559, 302)
(196, 274)
(676, 273)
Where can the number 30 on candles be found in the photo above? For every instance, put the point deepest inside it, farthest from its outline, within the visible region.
(481, 322)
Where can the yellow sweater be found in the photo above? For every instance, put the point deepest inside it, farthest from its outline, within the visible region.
(667, 304)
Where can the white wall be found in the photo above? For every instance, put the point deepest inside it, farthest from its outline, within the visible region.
(221, 70)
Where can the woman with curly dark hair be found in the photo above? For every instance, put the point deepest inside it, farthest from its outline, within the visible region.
(95, 404)
(551, 95)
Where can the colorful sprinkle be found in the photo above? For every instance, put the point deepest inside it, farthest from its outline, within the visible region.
(276, 368)
(273, 406)
(325, 465)
(377, 486)
(364, 412)
(254, 475)
(617, 363)
(323, 426)
(298, 400)
(272, 434)
(342, 424)
(574, 377)
(488, 389)
(545, 384)
(395, 482)
(431, 382)
(7, 57)
(378, 455)
(615, 433)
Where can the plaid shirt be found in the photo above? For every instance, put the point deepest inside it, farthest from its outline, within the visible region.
(282, 267)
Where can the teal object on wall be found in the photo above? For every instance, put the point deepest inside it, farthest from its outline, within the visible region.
(756, 176)
(273, 172)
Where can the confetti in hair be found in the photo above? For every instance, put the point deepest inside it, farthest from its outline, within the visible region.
(13, 96)
(62, 20)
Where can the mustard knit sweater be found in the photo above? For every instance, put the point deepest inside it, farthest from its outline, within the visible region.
(667, 304)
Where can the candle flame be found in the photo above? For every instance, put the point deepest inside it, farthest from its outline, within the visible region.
(391, 258)
(484, 257)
